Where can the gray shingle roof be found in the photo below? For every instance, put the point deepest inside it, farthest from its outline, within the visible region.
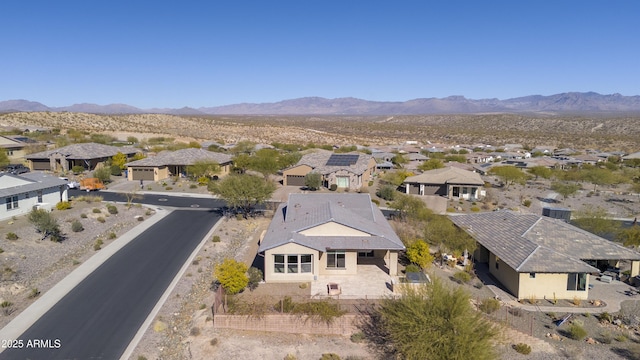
(305, 211)
(85, 151)
(32, 182)
(446, 175)
(182, 157)
(317, 160)
(532, 243)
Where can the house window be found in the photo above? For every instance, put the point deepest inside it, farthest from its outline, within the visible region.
(532, 275)
(335, 259)
(365, 254)
(278, 263)
(12, 202)
(292, 263)
(342, 181)
(576, 281)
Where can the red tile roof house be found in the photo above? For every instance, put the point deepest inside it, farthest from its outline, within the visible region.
(327, 234)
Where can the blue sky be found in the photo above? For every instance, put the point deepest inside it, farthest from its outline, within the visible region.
(210, 53)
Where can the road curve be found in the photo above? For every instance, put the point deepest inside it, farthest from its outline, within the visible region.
(100, 316)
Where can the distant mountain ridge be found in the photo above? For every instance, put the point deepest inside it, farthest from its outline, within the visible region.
(570, 102)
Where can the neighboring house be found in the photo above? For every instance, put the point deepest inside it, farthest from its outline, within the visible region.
(451, 182)
(540, 257)
(327, 234)
(87, 155)
(167, 163)
(19, 194)
(14, 147)
(588, 159)
(350, 171)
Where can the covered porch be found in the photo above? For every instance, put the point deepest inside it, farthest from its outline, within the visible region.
(371, 281)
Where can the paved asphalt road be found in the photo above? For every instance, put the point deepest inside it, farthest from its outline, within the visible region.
(158, 199)
(100, 316)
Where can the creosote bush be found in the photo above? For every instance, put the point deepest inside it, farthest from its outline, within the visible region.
(112, 209)
(522, 348)
(577, 332)
(12, 236)
(489, 305)
(462, 277)
(215, 238)
(76, 226)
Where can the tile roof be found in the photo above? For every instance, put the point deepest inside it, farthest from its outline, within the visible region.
(306, 211)
(85, 151)
(187, 156)
(533, 243)
(33, 181)
(446, 175)
(317, 160)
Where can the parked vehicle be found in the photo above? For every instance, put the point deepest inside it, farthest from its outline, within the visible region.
(71, 184)
(16, 169)
(90, 184)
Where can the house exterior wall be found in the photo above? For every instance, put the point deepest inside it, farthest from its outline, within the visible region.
(269, 265)
(301, 170)
(505, 274)
(548, 286)
(351, 265)
(333, 229)
(135, 173)
(26, 201)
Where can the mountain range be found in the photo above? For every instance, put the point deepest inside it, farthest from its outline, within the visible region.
(570, 102)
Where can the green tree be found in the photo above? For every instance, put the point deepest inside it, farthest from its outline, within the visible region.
(509, 175)
(46, 224)
(629, 236)
(435, 322)
(399, 160)
(419, 254)
(232, 275)
(241, 162)
(4, 158)
(596, 220)
(265, 161)
(387, 192)
(313, 181)
(288, 159)
(200, 168)
(565, 189)
(431, 164)
(457, 158)
(410, 208)
(103, 173)
(540, 171)
(119, 159)
(132, 140)
(598, 176)
(243, 147)
(243, 191)
(396, 177)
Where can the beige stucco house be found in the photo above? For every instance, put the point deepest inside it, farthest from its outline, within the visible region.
(327, 234)
(450, 182)
(168, 163)
(350, 171)
(540, 257)
(87, 155)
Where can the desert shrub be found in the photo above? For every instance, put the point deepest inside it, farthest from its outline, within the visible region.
(489, 305)
(213, 342)
(103, 173)
(1, 250)
(333, 187)
(605, 317)
(577, 332)
(357, 337)
(478, 285)
(462, 277)
(522, 348)
(76, 226)
(195, 331)
(621, 338)
(98, 244)
(475, 209)
(89, 198)
(112, 209)
(45, 224)
(576, 301)
(7, 307)
(526, 203)
(83, 216)
(111, 235)
(115, 170)
(101, 219)
(606, 338)
(330, 356)
(255, 276)
(290, 357)
(77, 170)
(387, 192)
(193, 186)
(412, 268)
(375, 201)
(96, 211)
(140, 218)
(232, 275)
(12, 236)
(168, 188)
(515, 311)
(34, 293)
(63, 205)
(215, 238)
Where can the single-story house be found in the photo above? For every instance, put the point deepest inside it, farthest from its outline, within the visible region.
(15, 147)
(539, 257)
(21, 193)
(167, 163)
(87, 155)
(327, 234)
(347, 171)
(451, 182)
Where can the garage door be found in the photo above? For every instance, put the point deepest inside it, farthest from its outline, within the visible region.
(142, 174)
(295, 180)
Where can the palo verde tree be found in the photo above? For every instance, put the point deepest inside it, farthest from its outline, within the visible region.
(433, 322)
(540, 171)
(243, 191)
(4, 158)
(509, 175)
(431, 164)
(232, 275)
(313, 181)
(203, 168)
(119, 159)
(565, 189)
(265, 161)
(596, 220)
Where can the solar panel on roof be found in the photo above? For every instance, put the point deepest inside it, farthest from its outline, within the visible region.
(342, 159)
